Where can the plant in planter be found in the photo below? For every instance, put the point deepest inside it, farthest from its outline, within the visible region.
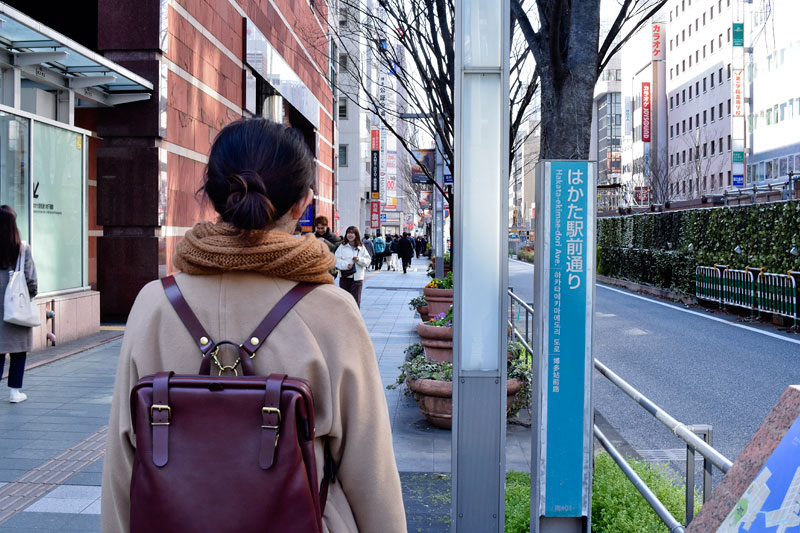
(420, 304)
(431, 384)
(447, 265)
(436, 335)
(439, 294)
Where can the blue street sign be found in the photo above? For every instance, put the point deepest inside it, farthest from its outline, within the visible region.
(738, 180)
(383, 217)
(565, 321)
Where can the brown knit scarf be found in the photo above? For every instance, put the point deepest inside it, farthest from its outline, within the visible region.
(213, 248)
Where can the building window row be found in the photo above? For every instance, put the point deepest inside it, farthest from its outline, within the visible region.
(715, 112)
(775, 168)
(710, 148)
(775, 114)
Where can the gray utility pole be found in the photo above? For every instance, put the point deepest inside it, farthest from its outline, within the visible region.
(438, 211)
(481, 265)
(438, 214)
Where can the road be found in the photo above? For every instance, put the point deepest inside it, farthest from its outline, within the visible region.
(701, 366)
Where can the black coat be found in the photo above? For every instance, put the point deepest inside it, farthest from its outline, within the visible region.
(405, 248)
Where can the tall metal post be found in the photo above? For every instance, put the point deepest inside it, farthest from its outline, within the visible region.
(438, 211)
(480, 215)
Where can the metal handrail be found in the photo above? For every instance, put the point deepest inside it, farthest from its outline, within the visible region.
(679, 429)
(661, 510)
(521, 302)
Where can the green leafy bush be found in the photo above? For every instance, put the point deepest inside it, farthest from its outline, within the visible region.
(617, 507)
(417, 301)
(518, 501)
(664, 248)
(525, 255)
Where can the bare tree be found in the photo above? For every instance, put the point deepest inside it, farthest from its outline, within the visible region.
(569, 61)
(702, 160)
(659, 180)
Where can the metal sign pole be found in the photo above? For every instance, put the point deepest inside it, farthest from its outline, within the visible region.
(481, 264)
(564, 276)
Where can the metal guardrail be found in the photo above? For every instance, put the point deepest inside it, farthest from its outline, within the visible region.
(685, 432)
(765, 292)
(739, 287)
(777, 294)
(707, 283)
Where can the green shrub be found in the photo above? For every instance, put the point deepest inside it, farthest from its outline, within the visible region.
(617, 507)
(525, 255)
(654, 248)
(518, 502)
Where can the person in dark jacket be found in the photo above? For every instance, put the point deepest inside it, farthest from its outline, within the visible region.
(370, 249)
(405, 248)
(322, 231)
(15, 340)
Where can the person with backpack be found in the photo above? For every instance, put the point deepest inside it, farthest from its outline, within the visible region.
(235, 274)
(379, 245)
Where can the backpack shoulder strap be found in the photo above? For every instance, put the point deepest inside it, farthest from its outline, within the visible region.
(198, 332)
(275, 315)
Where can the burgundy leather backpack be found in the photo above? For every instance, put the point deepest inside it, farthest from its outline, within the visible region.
(226, 453)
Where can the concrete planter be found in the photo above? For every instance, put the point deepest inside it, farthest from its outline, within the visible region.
(438, 342)
(423, 313)
(439, 300)
(435, 399)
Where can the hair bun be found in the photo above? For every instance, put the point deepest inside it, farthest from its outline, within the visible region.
(247, 206)
(246, 181)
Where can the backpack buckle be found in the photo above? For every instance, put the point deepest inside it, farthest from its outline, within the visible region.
(271, 410)
(158, 407)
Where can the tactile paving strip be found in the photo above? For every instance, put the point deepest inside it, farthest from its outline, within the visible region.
(19, 494)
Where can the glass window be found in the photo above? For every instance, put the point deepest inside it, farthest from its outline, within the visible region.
(14, 171)
(58, 212)
(343, 107)
(783, 167)
(342, 155)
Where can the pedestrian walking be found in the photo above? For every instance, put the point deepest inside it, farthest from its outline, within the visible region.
(379, 245)
(405, 249)
(368, 244)
(16, 341)
(394, 263)
(260, 178)
(351, 260)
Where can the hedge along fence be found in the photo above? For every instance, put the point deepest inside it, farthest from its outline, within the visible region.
(654, 248)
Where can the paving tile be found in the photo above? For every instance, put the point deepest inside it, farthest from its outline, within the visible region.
(59, 505)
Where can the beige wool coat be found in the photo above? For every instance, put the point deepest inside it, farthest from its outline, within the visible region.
(323, 339)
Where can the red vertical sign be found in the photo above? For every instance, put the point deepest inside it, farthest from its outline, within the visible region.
(646, 112)
(375, 215)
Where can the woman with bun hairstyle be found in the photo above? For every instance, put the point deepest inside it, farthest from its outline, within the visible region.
(352, 259)
(260, 178)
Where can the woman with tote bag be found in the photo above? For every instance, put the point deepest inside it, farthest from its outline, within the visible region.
(15, 340)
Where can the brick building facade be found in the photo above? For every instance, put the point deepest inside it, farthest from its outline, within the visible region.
(153, 153)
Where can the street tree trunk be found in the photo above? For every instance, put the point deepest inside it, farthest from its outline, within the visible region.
(566, 53)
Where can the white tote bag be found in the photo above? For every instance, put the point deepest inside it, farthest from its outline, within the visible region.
(17, 305)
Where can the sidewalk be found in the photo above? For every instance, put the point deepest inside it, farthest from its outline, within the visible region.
(51, 445)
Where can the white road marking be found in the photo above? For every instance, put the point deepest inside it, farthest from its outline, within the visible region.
(703, 315)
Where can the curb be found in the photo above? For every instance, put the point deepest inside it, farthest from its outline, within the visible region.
(56, 353)
(650, 290)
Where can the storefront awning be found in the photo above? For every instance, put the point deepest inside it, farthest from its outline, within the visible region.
(47, 58)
